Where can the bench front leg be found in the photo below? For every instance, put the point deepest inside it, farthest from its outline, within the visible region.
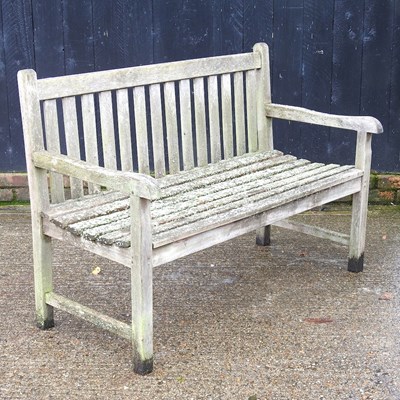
(141, 285)
(360, 204)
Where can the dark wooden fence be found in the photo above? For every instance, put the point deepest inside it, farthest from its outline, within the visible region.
(341, 56)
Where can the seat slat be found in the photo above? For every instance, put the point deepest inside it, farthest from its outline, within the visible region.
(238, 191)
(241, 196)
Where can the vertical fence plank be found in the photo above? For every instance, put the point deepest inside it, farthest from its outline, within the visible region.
(227, 125)
(213, 114)
(346, 74)
(124, 130)
(200, 120)
(53, 145)
(90, 135)
(139, 101)
(239, 113)
(72, 140)
(172, 127)
(157, 130)
(377, 43)
(287, 72)
(186, 124)
(317, 61)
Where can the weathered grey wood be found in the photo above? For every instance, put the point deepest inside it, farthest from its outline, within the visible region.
(264, 124)
(239, 113)
(314, 231)
(139, 101)
(100, 81)
(171, 127)
(360, 204)
(120, 254)
(141, 285)
(127, 182)
(251, 108)
(291, 113)
(100, 320)
(186, 124)
(39, 196)
(157, 130)
(213, 115)
(227, 122)
(148, 221)
(200, 121)
(107, 130)
(90, 135)
(53, 146)
(263, 236)
(124, 130)
(202, 240)
(72, 140)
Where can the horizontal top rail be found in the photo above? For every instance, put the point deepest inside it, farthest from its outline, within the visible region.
(99, 81)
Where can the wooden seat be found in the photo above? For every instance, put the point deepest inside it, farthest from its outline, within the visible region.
(166, 160)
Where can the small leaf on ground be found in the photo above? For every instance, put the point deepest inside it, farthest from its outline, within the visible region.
(386, 296)
(96, 271)
(319, 320)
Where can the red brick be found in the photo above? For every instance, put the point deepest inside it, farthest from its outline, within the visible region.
(386, 182)
(13, 180)
(6, 195)
(22, 194)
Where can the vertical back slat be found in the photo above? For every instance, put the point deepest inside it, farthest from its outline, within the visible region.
(186, 124)
(107, 130)
(53, 145)
(251, 108)
(227, 126)
(139, 101)
(172, 127)
(200, 120)
(124, 130)
(157, 130)
(90, 135)
(72, 140)
(213, 115)
(239, 113)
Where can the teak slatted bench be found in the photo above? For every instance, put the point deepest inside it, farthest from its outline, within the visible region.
(199, 133)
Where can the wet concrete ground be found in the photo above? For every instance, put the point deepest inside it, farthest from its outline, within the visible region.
(232, 322)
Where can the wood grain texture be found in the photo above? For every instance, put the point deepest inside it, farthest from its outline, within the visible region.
(185, 106)
(171, 127)
(213, 113)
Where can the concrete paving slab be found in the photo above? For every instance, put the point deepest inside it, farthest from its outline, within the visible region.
(233, 322)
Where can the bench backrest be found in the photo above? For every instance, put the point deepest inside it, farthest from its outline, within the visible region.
(157, 119)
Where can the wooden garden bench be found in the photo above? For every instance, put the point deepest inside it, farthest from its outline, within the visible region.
(198, 133)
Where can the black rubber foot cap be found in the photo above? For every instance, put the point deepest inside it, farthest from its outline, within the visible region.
(143, 367)
(356, 264)
(45, 324)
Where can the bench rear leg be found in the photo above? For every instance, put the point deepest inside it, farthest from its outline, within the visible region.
(141, 286)
(263, 236)
(43, 275)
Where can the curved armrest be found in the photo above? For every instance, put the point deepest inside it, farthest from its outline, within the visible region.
(141, 185)
(291, 113)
